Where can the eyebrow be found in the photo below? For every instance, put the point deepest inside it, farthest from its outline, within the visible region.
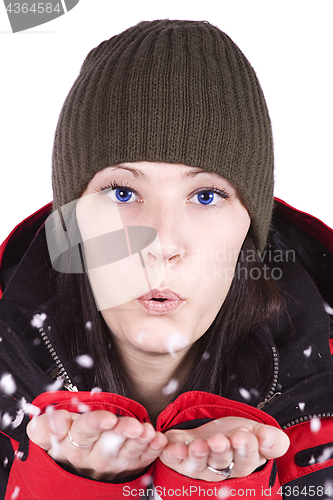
(138, 174)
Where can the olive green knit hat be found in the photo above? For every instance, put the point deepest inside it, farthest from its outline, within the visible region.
(168, 91)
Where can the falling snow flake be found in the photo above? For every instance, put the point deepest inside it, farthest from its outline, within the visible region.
(6, 420)
(307, 352)
(111, 442)
(7, 384)
(176, 341)
(15, 492)
(95, 390)
(328, 309)
(56, 386)
(301, 406)
(315, 424)
(145, 480)
(326, 455)
(38, 320)
(29, 408)
(171, 387)
(85, 361)
(82, 408)
(244, 393)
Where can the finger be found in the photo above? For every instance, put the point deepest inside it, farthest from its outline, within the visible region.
(221, 454)
(134, 447)
(173, 454)
(43, 429)
(197, 458)
(273, 442)
(246, 453)
(87, 427)
(112, 441)
(159, 442)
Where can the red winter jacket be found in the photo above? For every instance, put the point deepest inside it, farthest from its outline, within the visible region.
(305, 470)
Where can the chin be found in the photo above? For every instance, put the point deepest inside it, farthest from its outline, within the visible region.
(170, 343)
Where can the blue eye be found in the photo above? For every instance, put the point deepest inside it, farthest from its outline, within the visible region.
(123, 194)
(120, 194)
(205, 197)
(209, 196)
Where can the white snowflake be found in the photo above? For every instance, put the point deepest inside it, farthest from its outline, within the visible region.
(85, 361)
(171, 387)
(301, 406)
(326, 455)
(15, 493)
(111, 442)
(82, 408)
(38, 320)
(315, 424)
(29, 408)
(307, 352)
(6, 420)
(176, 341)
(95, 390)
(244, 393)
(328, 308)
(7, 384)
(56, 386)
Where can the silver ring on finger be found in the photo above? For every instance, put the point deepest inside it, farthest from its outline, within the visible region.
(75, 444)
(223, 472)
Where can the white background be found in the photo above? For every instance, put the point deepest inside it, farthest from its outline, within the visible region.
(288, 42)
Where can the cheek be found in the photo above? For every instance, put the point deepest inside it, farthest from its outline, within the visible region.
(213, 264)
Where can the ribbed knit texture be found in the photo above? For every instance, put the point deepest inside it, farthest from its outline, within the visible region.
(168, 91)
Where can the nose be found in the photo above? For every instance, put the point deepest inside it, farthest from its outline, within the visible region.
(169, 245)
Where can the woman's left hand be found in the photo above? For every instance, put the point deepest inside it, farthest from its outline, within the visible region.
(218, 443)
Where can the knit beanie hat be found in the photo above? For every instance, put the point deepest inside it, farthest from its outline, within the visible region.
(168, 91)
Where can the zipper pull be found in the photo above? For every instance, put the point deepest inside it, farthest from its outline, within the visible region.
(70, 387)
(264, 403)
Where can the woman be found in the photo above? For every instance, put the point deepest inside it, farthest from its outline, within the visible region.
(160, 279)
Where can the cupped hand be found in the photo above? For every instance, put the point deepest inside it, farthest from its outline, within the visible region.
(245, 442)
(110, 446)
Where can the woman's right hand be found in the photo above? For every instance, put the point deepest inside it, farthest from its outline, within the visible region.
(111, 447)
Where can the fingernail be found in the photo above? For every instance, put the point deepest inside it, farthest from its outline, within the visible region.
(268, 440)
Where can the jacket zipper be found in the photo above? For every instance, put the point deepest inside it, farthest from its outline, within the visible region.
(300, 420)
(59, 372)
(272, 392)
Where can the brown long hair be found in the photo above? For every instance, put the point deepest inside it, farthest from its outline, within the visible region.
(249, 304)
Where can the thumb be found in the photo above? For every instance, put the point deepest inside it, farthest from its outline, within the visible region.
(273, 442)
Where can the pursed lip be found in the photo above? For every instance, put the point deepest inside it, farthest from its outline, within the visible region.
(173, 301)
(167, 293)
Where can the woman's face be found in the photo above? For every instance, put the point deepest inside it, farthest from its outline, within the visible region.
(201, 224)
